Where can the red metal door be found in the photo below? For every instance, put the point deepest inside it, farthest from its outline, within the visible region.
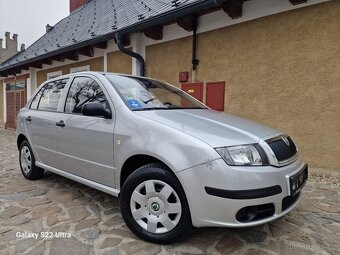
(215, 94)
(194, 89)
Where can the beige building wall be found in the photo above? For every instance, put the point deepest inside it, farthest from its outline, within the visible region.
(1, 103)
(282, 70)
(165, 60)
(118, 62)
(96, 64)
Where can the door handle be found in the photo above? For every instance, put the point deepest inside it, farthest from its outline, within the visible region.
(60, 123)
(29, 118)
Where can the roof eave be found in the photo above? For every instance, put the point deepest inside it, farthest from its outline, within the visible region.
(157, 20)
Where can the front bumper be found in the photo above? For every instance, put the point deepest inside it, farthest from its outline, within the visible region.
(259, 185)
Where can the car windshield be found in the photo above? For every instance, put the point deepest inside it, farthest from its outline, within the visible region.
(142, 94)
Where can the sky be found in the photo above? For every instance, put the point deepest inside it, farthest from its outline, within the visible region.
(28, 18)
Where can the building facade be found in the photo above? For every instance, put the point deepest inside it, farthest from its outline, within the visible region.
(276, 63)
(10, 48)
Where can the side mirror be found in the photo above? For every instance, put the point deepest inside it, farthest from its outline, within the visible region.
(95, 109)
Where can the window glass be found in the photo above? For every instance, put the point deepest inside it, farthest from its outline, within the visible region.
(142, 94)
(35, 101)
(10, 86)
(15, 85)
(20, 85)
(51, 94)
(84, 90)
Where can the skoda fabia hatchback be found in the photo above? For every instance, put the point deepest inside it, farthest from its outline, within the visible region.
(172, 161)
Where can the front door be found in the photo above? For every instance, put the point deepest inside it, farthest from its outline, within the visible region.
(85, 144)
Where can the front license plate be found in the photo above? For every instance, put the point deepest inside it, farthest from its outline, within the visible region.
(298, 180)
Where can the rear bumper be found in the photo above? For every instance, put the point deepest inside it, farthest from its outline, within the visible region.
(218, 194)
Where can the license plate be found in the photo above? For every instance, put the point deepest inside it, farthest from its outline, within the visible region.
(298, 180)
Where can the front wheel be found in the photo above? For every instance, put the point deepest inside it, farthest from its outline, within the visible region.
(27, 162)
(154, 205)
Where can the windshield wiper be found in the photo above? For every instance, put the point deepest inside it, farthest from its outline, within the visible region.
(194, 108)
(167, 108)
(150, 108)
(183, 108)
(148, 101)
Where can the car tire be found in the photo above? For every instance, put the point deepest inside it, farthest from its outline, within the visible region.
(27, 162)
(161, 214)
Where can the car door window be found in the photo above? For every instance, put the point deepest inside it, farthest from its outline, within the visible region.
(47, 99)
(84, 90)
(36, 99)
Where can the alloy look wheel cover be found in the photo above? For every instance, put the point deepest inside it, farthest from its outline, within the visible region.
(26, 159)
(155, 206)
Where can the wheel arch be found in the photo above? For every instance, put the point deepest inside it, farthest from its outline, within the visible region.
(20, 139)
(136, 161)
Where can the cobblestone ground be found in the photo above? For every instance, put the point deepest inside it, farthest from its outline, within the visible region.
(93, 219)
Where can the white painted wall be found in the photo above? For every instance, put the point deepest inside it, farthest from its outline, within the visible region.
(28, 88)
(138, 46)
(33, 78)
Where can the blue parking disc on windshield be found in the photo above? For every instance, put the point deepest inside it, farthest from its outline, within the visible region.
(134, 104)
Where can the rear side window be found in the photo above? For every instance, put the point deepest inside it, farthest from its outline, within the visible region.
(47, 99)
(84, 90)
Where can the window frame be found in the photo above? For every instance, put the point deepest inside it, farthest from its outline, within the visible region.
(43, 88)
(102, 87)
(14, 85)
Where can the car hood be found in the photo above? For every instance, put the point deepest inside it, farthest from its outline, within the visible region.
(218, 129)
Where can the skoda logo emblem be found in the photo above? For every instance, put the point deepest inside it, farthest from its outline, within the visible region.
(286, 141)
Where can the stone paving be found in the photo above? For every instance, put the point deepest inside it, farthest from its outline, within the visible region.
(86, 221)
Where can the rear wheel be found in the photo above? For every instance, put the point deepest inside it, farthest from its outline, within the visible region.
(27, 162)
(154, 205)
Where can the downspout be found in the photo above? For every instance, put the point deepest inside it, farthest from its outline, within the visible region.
(131, 53)
(194, 61)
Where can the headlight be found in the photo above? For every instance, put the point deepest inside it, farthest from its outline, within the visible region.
(244, 155)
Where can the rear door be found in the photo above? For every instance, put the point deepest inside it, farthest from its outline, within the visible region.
(85, 144)
(40, 121)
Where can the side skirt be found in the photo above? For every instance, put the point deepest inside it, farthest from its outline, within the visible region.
(82, 180)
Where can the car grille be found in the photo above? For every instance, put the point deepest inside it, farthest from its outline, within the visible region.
(282, 150)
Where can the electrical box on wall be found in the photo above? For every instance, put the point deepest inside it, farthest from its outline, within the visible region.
(215, 94)
(183, 76)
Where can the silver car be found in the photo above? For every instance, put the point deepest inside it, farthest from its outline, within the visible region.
(174, 163)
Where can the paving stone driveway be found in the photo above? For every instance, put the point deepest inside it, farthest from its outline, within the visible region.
(93, 220)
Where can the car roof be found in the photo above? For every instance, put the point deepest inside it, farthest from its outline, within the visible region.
(94, 73)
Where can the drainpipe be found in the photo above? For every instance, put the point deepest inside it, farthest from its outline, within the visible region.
(119, 39)
(195, 61)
